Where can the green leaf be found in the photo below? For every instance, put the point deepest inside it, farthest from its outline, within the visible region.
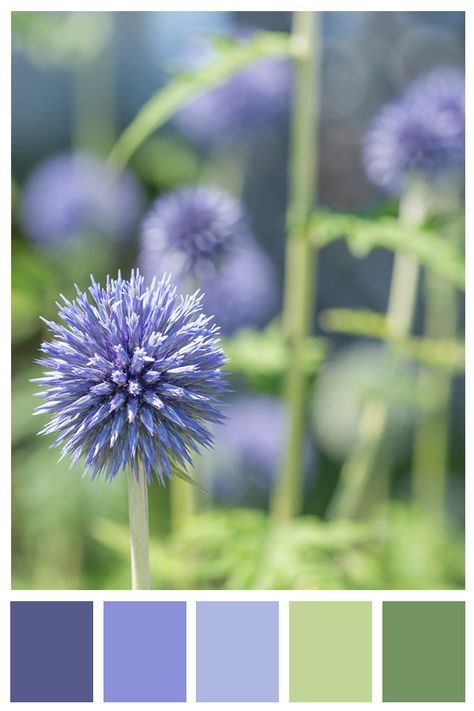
(427, 246)
(441, 353)
(230, 58)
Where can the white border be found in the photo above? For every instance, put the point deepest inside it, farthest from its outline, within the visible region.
(192, 596)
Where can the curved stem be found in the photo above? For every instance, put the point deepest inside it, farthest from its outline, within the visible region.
(186, 87)
(300, 260)
(138, 517)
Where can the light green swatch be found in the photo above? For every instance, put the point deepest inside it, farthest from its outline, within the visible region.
(330, 651)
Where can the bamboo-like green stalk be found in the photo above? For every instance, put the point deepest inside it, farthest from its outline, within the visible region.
(300, 258)
(138, 519)
(358, 469)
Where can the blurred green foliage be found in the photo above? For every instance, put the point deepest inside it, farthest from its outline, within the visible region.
(262, 357)
(239, 549)
(166, 162)
(61, 38)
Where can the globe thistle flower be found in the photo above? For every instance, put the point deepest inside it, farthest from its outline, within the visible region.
(188, 231)
(243, 291)
(245, 463)
(421, 132)
(253, 97)
(77, 194)
(133, 378)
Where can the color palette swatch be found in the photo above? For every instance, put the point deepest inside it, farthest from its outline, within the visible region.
(423, 651)
(330, 651)
(51, 651)
(145, 651)
(238, 651)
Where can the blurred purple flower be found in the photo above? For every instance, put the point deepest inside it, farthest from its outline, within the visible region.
(254, 96)
(421, 132)
(132, 378)
(441, 95)
(77, 194)
(246, 460)
(243, 291)
(187, 232)
(201, 236)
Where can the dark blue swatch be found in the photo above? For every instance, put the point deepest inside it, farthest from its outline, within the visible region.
(51, 651)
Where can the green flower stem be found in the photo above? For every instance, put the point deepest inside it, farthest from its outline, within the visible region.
(361, 464)
(300, 260)
(186, 87)
(430, 452)
(138, 518)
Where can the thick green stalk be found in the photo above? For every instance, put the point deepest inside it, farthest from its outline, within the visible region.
(138, 518)
(359, 468)
(300, 259)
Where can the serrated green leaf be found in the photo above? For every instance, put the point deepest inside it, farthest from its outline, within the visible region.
(230, 58)
(427, 246)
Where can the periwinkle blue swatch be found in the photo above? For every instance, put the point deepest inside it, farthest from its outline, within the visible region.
(51, 651)
(237, 651)
(144, 651)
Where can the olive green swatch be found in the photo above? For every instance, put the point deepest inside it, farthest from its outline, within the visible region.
(423, 651)
(330, 651)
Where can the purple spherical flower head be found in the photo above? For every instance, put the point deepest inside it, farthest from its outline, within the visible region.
(422, 132)
(188, 231)
(248, 452)
(75, 194)
(243, 291)
(252, 97)
(133, 378)
(440, 95)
